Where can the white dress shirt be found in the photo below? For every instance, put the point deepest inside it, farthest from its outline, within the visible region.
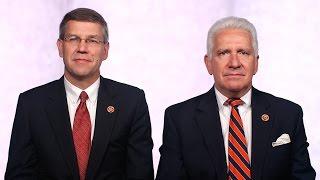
(73, 100)
(245, 112)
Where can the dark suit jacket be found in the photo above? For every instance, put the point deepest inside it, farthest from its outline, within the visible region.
(193, 145)
(42, 147)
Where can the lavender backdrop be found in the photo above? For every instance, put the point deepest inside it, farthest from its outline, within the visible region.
(159, 47)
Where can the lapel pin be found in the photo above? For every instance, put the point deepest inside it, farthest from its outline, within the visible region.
(265, 117)
(110, 109)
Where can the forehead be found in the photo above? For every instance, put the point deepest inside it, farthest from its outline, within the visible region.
(83, 28)
(232, 36)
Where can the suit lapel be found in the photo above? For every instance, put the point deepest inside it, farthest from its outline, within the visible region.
(58, 114)
(261, 131)
(104, 124)
(208, 119)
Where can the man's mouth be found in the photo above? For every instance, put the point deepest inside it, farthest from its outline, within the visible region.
(82, 60)
(234, 74)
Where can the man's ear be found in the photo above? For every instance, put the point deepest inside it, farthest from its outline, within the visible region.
(208, 62)
(256, 65)
(60, 47)
(106, 50)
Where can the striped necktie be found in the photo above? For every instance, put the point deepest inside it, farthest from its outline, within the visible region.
(239, 164)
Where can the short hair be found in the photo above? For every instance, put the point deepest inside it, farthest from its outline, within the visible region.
(84, 15)
(231, 22)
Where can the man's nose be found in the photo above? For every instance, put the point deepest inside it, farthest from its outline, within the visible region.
(82, 46)
(234, 61)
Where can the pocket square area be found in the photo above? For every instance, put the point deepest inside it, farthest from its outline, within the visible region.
(283, 139)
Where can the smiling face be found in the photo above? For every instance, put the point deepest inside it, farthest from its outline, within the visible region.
(82, 59)
(232, 62)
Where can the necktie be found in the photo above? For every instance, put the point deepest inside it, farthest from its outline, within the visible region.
(82, 135)
(239, 164)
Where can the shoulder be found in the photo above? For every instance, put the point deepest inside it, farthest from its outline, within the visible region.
(121, 88)
(124, 94)
(187, 106)
(36, 98)
(42, 90)
(278, 103)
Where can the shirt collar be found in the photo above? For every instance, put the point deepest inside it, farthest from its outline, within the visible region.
(73, 92)
(221, 98)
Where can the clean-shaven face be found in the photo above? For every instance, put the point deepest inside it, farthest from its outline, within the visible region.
(83, 50)
(232, 62)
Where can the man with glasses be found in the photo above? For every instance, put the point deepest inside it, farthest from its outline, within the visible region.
(81, 126)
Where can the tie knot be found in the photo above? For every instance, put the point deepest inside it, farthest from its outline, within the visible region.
(83, 96)
(234, 102)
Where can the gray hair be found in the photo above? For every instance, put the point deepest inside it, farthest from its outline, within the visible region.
(231, 23)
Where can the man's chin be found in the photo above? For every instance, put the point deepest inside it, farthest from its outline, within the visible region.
(235, 89)
(80, 75)
(239, 89)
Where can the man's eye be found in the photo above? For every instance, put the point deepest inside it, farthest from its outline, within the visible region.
(72, 39)
(222, 53)
(244, 52)
(92, 41)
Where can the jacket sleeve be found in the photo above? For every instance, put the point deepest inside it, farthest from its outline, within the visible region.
(301, 166)
(171, 163)
(22, 158)
(140, 144)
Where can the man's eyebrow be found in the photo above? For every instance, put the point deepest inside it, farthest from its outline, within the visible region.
(249, 50)
(87, 36)
(70, 34)
(223, 50)
(93, 36)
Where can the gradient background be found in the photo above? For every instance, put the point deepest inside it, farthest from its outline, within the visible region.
(159, 47)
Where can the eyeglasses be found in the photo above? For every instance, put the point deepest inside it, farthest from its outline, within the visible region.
(75, 41)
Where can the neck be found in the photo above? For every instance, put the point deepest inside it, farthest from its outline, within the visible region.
(82, 83)
(234, 94)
